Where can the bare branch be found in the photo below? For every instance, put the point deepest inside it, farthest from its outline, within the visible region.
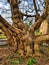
(13, 29)
(41, 38)
(35, 6)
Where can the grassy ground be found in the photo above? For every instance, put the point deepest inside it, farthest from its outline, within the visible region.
(2, 36)
(8, 57)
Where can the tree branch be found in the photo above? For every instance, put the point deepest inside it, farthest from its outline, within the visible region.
(35, 6)
(40, 20)
(41, 38)
(12, 28)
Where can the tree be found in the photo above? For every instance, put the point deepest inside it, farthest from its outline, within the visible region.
(19, 37)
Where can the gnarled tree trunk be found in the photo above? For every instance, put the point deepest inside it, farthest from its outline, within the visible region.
(22, 40)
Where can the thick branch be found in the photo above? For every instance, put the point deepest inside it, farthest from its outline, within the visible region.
(38, 23)
(40, 20)
(41, 38)
(5, 30)
(12, 28)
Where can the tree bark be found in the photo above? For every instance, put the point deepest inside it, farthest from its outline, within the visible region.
(19, 39)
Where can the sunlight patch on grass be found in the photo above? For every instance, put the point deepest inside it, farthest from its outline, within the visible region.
(2, 36)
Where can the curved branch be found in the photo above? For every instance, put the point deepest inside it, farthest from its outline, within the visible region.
(38, 23)
(40, 20)
(41, 38)
(12, 28)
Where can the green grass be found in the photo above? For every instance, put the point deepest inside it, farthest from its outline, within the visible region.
(17, 61)
(31, 61)
(2, 36)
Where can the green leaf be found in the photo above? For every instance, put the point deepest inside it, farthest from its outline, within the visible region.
(31, 61)
(15, 61)
(30, 23)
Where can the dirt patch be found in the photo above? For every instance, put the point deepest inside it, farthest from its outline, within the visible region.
(9, 57)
